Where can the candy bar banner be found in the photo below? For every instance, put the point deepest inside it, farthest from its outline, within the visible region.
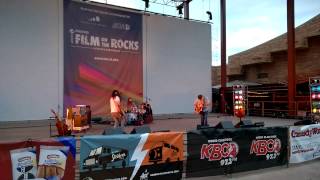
(102, 52)
(304, 143)
(216, 151)
(47, 159)
(132, 156)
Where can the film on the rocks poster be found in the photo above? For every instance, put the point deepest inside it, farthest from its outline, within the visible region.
(102, 52)
(132, 156)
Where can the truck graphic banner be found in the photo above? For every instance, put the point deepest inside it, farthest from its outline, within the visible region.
(132, 156)
(304, 143)
(217, 151)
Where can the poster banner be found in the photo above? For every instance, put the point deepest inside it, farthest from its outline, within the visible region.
(102, 52)
(47, 159)
(304, 143)
(217, 151)
(134, 156)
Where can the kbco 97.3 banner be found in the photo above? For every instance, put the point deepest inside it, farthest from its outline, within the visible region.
(102, 52)
(216, 151)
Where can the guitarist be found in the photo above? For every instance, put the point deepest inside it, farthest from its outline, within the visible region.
(61, 126)
(116, 110)
(201, 107)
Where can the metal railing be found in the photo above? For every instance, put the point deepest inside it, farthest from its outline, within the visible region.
(278, 108)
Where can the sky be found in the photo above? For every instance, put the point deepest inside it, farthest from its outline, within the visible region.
(248, 22)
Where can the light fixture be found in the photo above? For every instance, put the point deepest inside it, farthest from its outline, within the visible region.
(146, 3)
(179, 8)
(210, 15)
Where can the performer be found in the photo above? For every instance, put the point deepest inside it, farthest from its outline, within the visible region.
(116, 111)
(131, 106)
(201, 107)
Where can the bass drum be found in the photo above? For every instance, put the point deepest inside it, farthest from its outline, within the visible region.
(131, 118)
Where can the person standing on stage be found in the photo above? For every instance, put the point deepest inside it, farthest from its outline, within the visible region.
(131, 106)
(115, 107)
(201, 107)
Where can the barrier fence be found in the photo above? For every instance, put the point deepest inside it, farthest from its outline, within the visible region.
(161, 155)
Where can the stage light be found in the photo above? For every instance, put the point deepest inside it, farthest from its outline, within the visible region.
(313, 96)
(319, 96)
(240, 92)
(236, 107)
(318, 88)
(314, 110)
(179, 8)
(241, 97)
(236, 97)
(146, 3)
(210, 15)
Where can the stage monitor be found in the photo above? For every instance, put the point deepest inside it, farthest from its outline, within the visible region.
(304, 122)
(224, 125)
(111, 131)
(244, 123)
(202, 127)
(141, 130)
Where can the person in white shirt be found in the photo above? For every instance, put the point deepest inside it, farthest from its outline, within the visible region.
(115, 107)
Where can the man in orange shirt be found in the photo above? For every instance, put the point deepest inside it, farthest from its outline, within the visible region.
(201, 107)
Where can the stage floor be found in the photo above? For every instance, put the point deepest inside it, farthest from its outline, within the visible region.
(15, 131)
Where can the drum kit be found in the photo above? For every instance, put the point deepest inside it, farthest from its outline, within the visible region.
(136, 115)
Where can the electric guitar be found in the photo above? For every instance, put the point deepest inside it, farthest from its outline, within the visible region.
(61, 127)
(198, 109)
(198, 106)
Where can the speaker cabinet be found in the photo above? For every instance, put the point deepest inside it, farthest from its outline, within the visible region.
(304, 122)
(141, 130)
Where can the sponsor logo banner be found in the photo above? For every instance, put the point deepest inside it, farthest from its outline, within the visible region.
(134, 156)
(23, 160)
(304, 143)
(216, 151)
